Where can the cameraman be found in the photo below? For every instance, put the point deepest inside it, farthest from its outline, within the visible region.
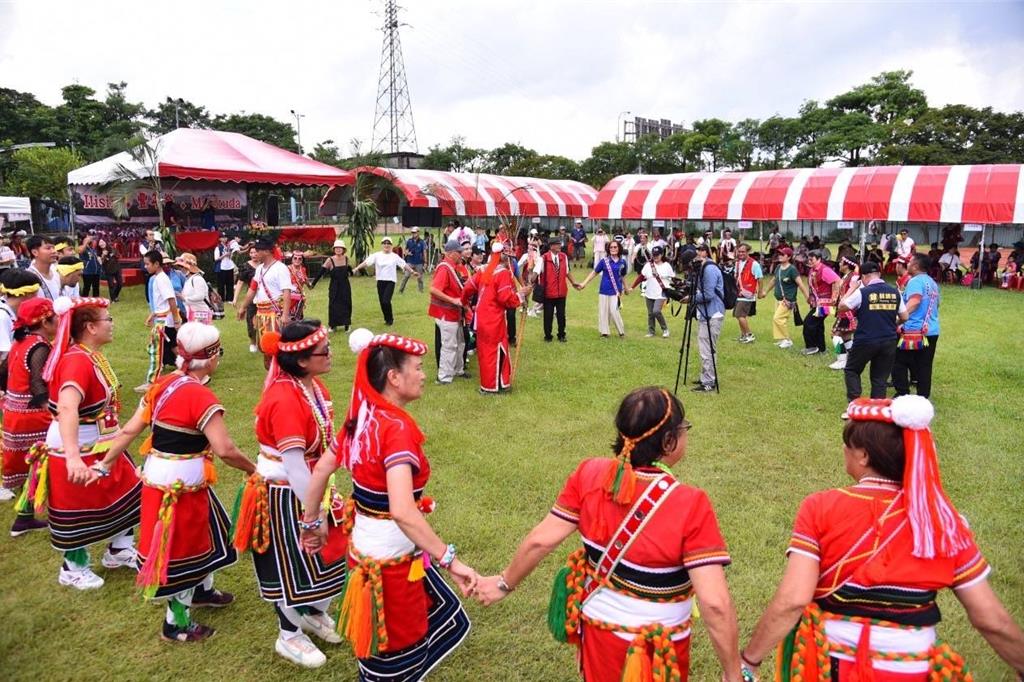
(709, 302)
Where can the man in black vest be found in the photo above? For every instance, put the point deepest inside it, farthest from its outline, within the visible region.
(878, 306)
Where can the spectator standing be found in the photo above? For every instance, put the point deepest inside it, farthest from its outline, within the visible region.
(386, 264)
(551, 272)
(92, 268)
(195, 291)
(655, 276)
(579, 242)
(824, 294)
(727, 248)
(905, 246)
(224, 265)
(414, 255)
(915, 353)
(748, 277)
(877, 306)
(111, 264)
(786, 280)
(600, 244)
(43, 266)
(709, 301)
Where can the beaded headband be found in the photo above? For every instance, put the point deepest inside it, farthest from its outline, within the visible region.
(64, 307)
(303, 344)
(202, 354)
(401, 343)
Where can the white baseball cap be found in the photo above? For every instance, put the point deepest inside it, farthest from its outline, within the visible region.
(415, 229)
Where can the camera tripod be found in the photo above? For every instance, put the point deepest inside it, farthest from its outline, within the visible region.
(684, 347)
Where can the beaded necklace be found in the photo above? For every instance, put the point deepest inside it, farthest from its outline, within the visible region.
(319, 409)
(878, 481)
(663, 467)
(101, 363)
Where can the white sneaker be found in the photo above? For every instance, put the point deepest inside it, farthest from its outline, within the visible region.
(142, 388)
(252, 348)
(785, 343)
(322, 626)
(665, 334)
(300, 650)
(79, 578)
(649, 335)
(6, 494)
(840, 363)
(749, 338)
(122, 558)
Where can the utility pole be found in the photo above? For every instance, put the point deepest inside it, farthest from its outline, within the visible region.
(298, 140)
(393, 127)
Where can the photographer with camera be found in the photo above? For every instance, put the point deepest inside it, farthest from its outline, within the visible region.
(708, 297)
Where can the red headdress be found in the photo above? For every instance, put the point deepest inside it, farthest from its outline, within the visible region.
(271, 344)
(65, 309)
(366, 400)
(936, 525)
(32, 312)
(496, 250)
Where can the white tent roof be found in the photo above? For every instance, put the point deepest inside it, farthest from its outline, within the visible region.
(16, 205)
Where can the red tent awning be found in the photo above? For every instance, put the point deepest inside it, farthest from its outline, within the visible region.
(990, 194)
(193, 154)
(481, 194)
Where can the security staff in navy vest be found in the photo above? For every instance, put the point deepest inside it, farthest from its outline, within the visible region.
(878, 308)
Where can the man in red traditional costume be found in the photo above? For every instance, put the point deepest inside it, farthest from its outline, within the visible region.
(184, 531)
(650, 544)
(496, 292)
(294, 426)
(866, 563)
(400, 615)
(26, 416)
(84, 401)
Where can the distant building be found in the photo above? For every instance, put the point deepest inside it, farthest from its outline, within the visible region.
(641, 127)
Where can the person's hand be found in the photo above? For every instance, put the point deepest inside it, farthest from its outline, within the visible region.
(464, 576)
(97, 471)
(487, 591)
(78, 473)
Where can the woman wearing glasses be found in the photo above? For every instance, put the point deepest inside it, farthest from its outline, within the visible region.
(294, 425)
(183, 532)
(650, 543)
(300, 282)
(84, 401)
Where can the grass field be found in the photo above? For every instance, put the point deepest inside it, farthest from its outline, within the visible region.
(769, 439)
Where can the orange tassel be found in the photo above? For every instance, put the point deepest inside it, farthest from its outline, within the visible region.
(416, 571)
(627, 485)
(356, 612)
(246, 518)
(638, 663)
(209, 471)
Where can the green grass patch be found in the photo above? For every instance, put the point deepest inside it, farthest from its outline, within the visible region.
(769, 439)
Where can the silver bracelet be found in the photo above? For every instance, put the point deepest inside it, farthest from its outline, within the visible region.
(502, 585)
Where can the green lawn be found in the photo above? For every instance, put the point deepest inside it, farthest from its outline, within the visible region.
(770, 438)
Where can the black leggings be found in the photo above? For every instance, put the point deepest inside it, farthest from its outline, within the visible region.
(114, 284)
(385, 290)
(90, 285)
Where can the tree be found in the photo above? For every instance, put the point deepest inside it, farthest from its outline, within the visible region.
(739, 144)
(42, 172)
(776, 138)
(79, 121)
(327, 152)
(710, 135)
(607, 160)
(456, 157)
(813, 120)
(508, 159)
(177, 113)
(23, 118)
(122, 120)
(259, 127)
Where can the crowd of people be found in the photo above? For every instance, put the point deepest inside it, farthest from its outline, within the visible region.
(865, 562)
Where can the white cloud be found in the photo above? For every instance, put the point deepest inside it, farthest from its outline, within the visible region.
(550, 75)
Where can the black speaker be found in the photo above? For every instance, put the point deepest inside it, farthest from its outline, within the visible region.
(272, 218)
(421, 217)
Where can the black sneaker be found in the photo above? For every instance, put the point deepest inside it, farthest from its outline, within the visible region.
(562, 339)
(214, 599)
(548, 339)
(26, 524)
(194, 632)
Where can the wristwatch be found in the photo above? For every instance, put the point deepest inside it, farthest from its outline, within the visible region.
(502, 585)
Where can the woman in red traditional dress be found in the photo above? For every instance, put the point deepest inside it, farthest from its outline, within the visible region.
(84, 400)
(294, 425)
(650, 542)
(846, 321)
(399, 614)
(300, 282)
(184, 531)
(26, 416)
(866, 563)
(495, 289)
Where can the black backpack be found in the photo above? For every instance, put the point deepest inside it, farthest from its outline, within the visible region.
(731, 291)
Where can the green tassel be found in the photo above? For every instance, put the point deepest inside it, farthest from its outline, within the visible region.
(180, 613)
(619, 471)
(236, 509)
(78, 557)
(786, 652)
(22, 505)
(557, 605)
(339, 624)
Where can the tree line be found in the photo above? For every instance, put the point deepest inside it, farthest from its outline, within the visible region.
(884, 121)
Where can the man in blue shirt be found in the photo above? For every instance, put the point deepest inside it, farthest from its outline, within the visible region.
(579, 242)
(415, 248)
(709, 301)
(922, 300)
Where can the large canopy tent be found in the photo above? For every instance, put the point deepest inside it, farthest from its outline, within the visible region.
(15, 209)
(472, 195)
(191, 154)
(944, 194)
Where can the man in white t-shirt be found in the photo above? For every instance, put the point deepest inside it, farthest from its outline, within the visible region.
(385, 264)
(905, 246)
(44, 259)
(223, 255)
(270, 290)
(163, 320)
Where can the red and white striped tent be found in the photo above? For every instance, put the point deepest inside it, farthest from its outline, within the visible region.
(991, 194)
(480, 194)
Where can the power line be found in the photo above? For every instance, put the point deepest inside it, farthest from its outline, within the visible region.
(393, 127)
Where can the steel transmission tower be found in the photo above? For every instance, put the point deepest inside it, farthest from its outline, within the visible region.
(393, 127)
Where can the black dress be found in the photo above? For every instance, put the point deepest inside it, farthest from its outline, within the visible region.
(339, 296)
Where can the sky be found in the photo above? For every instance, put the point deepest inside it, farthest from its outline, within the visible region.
(552, 75)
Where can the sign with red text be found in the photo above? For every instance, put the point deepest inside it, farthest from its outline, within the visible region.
(186, 205)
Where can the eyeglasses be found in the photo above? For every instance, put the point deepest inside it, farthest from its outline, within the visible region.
(685, 426)
(108, 318)
(325, 353)
(220, 352)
